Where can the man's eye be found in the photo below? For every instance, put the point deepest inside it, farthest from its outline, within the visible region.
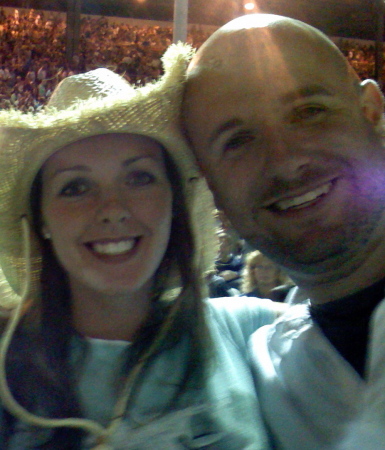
(140, 178)
(74, 188)
(308, 112)
(237, 141)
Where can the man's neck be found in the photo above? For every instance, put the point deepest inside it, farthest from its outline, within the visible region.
(347, 279)
(345, 322)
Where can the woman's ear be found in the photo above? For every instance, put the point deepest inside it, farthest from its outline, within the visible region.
(45, 232)
(372, 101)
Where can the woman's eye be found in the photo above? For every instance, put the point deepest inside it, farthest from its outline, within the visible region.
(140, 178)
(308, 112)
(74, 188)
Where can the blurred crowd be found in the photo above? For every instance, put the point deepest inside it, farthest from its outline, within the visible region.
(33, 58)
(360, 56)
(240, 270)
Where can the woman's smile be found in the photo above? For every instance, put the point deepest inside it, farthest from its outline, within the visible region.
(113, 247)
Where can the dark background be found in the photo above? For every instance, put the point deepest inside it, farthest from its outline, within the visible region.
(347, 18)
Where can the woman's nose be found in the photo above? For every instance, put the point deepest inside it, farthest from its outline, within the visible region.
(114, 216)
(113, 210)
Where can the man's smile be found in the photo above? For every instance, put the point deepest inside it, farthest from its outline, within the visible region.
(303, 200)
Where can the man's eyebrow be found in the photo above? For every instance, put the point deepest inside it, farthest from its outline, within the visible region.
(232, 123)
(306, 91)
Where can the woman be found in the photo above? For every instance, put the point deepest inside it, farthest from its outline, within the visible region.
(263, 278)
(105, 233)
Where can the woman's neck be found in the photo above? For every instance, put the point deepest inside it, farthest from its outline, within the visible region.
(109, 317)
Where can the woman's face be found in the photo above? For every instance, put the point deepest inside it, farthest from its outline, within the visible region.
(265, 273)
(107, 206)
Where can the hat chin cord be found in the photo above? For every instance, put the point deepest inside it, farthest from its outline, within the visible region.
(6, 396)
(9, 402)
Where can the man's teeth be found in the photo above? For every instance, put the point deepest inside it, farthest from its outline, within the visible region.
(113, 248)
(303, 200)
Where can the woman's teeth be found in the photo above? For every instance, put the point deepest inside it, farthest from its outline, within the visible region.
(303, 200)
(113, 248)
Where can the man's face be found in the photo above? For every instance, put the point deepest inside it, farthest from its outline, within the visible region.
(291, 156)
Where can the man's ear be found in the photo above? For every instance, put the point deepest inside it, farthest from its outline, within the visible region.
(372, 101)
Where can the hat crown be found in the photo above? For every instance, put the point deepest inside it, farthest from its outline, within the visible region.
(98, 83)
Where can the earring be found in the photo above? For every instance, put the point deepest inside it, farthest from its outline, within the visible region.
(47, 235)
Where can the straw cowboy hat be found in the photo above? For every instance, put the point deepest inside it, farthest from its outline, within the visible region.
(94, 103)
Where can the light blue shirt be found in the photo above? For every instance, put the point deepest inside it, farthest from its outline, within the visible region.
(223, 415)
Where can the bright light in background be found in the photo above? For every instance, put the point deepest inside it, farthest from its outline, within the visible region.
(249, 6)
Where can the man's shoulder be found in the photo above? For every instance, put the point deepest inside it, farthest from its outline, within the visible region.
(238, 305)
(296, 318)
(294, 326)
(240, 315)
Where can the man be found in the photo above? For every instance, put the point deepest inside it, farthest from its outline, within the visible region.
(290, 142)
(229, 263)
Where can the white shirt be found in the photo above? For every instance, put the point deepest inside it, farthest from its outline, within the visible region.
(308, 392)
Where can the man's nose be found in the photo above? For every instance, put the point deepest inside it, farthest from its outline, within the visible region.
(286, 158)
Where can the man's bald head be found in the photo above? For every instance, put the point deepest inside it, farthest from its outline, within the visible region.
(262, 38)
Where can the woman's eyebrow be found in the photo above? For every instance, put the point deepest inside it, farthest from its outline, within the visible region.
(84, 168)
(132, 160)
(78, 167)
